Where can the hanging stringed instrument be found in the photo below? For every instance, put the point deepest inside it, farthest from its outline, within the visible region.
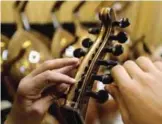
(81, 34)
(4, 51)
(74, 109)
(25, 50)
(24, 22)
(61, 38)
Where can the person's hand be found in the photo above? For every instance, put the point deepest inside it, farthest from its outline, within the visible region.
(137, 89)
(30, 104)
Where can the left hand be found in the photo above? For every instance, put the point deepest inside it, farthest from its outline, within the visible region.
(30, 105)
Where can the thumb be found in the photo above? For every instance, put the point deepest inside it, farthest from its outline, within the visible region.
(42, 105)
(114, 91)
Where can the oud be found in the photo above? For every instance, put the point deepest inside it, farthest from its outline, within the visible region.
(26, 50)
(61, 38)
(75, 106)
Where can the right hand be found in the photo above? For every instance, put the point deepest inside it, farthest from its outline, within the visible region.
(30, 105)
(138, 91)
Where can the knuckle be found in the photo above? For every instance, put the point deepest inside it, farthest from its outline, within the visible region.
(158, 63)
(22, 86)
(131, 87)
(127, 88)
(47, 74)
(126, 119)
(150, 78)
(129, 62)
(115, 70)
(145, 77)
(58, 59)
(47, 63)
(23, 80)
(37, 110)
(52, 96)
(62, 88)
(20, 91)
(141, 58)
(117, 67)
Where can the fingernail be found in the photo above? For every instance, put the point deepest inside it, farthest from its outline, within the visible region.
(106, 87)
(76, 59)
(63, 87)
(73, 80)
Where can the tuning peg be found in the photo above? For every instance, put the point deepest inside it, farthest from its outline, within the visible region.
(123, 23)
(94, 30)
(107, 62)
(105, 79)
(121, 37)
(116, 50)
(79, 53)
(87, 42)
(101, 96)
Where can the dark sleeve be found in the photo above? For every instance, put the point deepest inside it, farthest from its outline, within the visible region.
(4, 114)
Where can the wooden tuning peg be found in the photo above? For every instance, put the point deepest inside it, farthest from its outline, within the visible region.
(116, 50)
(87, 43)
(105, 79)
(94, 30)
(107, 62)
(121, 37)
(79, 53)
(101, 96)
(123, 23)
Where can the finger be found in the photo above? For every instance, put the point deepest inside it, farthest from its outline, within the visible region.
(158, 65)
(67, 69)
(50, 78)
(114, 91)
(56, 90)
(146, 64)
(55, 64)
(133, 69)
(61, 88)
(42, 105)
(121, 77)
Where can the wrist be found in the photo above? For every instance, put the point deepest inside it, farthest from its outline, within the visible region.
(9, 120)
(16, 115)
(14, 118)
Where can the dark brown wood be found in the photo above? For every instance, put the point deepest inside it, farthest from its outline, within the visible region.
(76, 98)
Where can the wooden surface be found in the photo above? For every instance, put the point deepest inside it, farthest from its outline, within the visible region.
(145, 16)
